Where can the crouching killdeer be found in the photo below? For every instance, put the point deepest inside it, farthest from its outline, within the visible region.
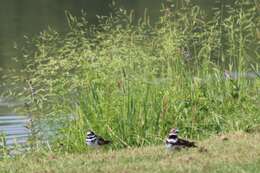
(94, 140)
(173, 142)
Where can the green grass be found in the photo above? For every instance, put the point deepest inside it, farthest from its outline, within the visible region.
(239, 153)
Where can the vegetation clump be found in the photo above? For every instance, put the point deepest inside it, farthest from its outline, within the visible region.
(132, 81)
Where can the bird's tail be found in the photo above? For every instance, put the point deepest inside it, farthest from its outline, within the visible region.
(107, 142)
(192, 144)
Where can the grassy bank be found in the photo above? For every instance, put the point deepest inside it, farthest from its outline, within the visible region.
(237, 153)
(131, 81)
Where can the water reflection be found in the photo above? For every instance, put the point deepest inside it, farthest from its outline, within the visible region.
(14, 134)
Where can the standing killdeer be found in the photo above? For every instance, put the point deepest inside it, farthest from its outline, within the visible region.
(94, 140)
(173, 142)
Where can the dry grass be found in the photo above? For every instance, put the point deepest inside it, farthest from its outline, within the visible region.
(238, 152)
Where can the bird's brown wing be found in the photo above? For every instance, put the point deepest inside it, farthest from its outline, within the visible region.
(186, 143)
(102, 141)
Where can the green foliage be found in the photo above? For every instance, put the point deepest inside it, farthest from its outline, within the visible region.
(3, 146)
(132, 82)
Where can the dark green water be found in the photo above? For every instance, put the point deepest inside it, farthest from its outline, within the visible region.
(29, 17)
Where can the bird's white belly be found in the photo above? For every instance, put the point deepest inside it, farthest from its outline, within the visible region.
(169, 146)
(92, 143)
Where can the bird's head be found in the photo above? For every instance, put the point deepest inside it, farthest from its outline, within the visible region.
(173, 135)
(174, 131)
(90, 133)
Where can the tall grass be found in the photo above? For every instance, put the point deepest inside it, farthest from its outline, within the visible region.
(132, 81)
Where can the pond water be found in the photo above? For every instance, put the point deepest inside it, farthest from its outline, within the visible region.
(16, 130)
(19, 18)
(14, 134)
(13, 128)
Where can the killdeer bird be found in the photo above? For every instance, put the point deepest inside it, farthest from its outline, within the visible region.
(174, 142)
(94, 140)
